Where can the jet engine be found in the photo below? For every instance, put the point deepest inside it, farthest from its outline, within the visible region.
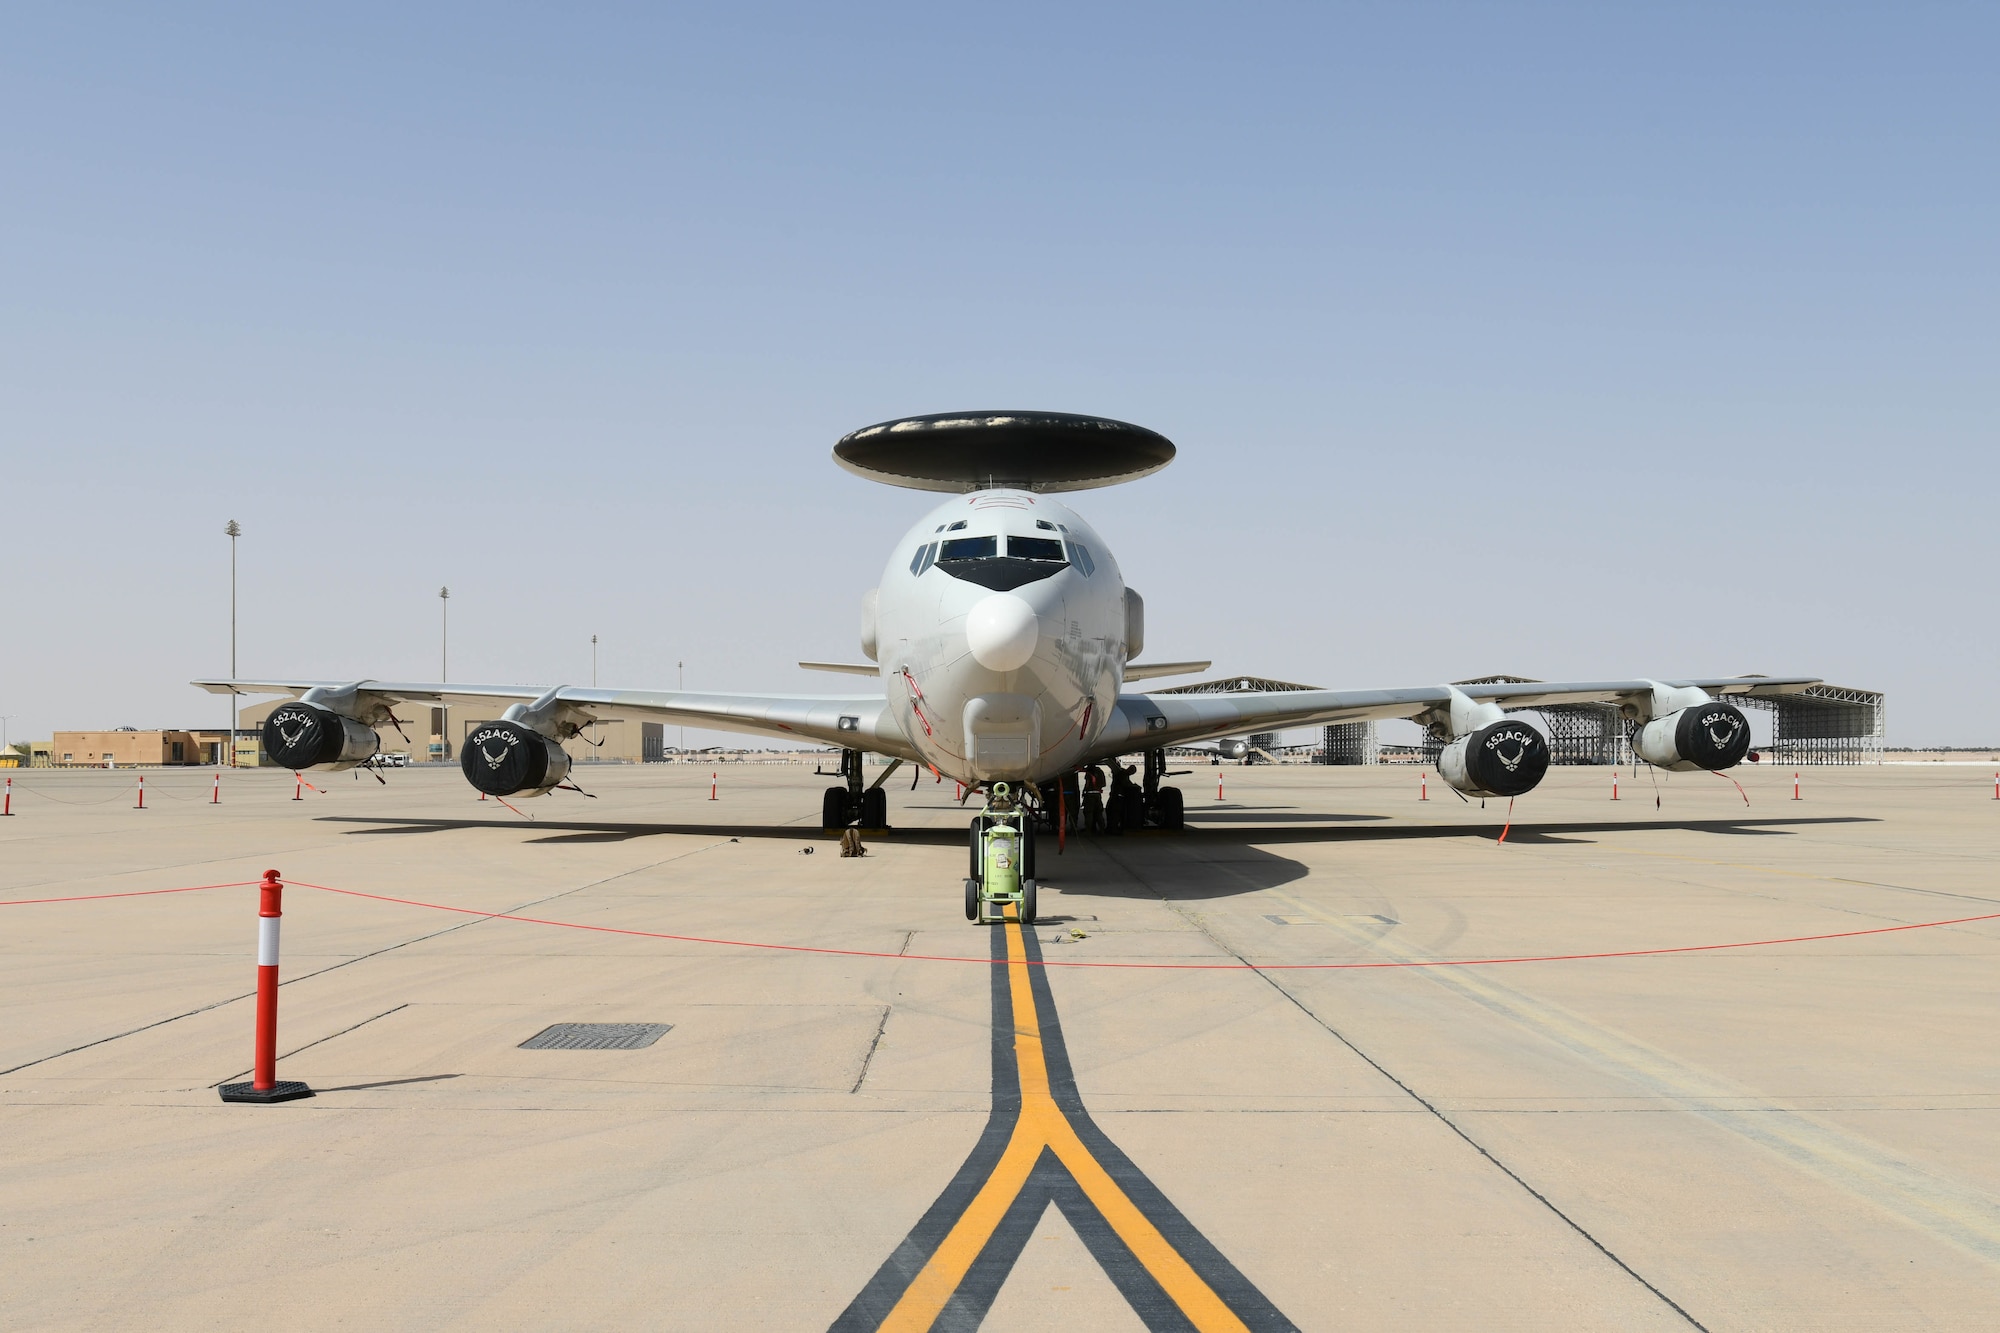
(507, 758)
(1713, 736)
(1505, 758)
(300, 735)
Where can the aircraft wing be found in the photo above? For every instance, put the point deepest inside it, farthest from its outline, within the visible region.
(1150, 720)
(855, 721)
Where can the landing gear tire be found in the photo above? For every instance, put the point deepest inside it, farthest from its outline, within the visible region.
(875, 808)
(972, 900)
(833, 809)
(1027, 902)
(1171, 808)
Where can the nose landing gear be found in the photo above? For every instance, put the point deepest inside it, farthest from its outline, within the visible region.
(1003, 860)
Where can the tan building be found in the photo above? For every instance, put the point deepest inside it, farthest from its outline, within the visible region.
(126, 746)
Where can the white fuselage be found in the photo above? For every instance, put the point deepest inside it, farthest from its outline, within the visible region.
(1000, 628)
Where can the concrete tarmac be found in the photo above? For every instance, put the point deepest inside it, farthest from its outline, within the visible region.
(1800, 1135)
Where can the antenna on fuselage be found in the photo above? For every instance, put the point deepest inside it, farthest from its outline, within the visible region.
(1029, 451)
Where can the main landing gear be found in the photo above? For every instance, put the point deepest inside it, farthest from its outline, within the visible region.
(1003, 860)
(851, 804)
(1125, 806)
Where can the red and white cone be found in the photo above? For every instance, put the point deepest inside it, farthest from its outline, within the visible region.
(264, 1085)
(298, 786)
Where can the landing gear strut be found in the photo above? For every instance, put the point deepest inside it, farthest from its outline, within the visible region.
(852, 803)
(1136, 805)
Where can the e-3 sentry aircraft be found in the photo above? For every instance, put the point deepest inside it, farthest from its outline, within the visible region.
(1002, 639)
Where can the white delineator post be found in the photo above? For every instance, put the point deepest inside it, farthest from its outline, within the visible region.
(264, 1085)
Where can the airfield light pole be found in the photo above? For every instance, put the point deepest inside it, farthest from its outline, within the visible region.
(235, 530)
(593, 661)
(444, 671)
(680, 685)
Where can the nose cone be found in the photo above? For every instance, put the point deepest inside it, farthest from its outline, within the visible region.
(1002, 631)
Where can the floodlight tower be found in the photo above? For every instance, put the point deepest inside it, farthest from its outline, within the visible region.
(444, 672)
(235, 530)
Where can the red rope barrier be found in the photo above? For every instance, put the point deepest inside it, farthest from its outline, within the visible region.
(968, 958)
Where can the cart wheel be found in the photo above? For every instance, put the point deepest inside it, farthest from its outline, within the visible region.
(1027, 902)
(972, 900)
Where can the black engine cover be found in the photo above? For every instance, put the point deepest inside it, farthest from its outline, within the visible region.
(501, 758)
(301, 736)
(1507, 758)
(1714, 736)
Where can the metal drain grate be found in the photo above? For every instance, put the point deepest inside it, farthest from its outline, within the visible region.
(596, 1036)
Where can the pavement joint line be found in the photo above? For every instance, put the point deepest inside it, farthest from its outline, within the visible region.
(348, 962)
(1791, 874)
(286, 1055)
(1420, 1100)
(1948, 1208)
(869, 1058)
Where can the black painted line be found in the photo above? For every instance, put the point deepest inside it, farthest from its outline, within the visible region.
(1051, 1182)
(1426, 1104)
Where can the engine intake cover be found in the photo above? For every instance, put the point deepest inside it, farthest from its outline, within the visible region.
(503, 758)
(1506, 758)
(1711, 736)
(298, 736)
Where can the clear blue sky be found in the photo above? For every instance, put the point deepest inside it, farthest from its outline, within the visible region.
(1566, 340)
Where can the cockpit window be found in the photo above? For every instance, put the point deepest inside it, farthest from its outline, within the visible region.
(921, 561)
(1045, 525)
(970, 548)
(1081, 555)
(978, 560)
(1035, 548)
(956, 526)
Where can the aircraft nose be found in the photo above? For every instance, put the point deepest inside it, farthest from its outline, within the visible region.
(1002, 631)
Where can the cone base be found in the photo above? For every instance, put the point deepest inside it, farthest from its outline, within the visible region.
(278, 1092)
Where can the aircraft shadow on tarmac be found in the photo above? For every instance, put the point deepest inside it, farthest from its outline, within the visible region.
(1271, 827)
(1202, 864)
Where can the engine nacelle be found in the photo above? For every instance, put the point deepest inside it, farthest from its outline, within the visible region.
(507, 758)
(300, 736)
(1713, 736)
(1506, 758)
